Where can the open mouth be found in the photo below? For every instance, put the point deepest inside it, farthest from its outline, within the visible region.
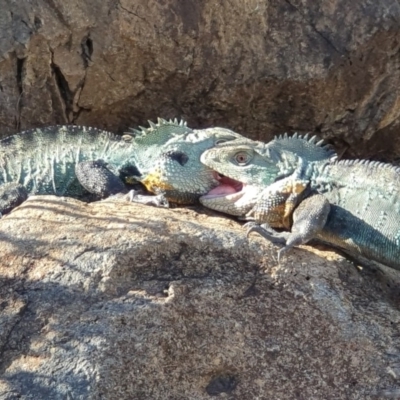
(227, 186)
(231, 196)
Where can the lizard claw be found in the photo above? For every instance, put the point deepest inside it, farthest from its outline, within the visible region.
(161, 201)
(249, 227)
(281, 252)
(135, 196)
(254, 227)
(263, 229)
(266, 232)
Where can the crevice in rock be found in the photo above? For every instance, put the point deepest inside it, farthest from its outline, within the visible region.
(109, 75)
(87, 50)
(191, 66)
(20, 86)
(78, 112)
(155, 27)
(314, 28)
(57, 12)
(26, 25)
(86, 54)
(63, 88)
(130, 11)
(37, 23)
(221, 384)
(19, 316)
(20, 69)
(161, 33)
(87, 250)
(69, 98)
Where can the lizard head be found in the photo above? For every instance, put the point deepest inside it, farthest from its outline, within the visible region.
(241, 169)
(174, 168)
(147, 144)
(246, 167)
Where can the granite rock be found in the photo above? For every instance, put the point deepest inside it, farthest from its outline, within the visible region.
(112, 300)
(257, 67)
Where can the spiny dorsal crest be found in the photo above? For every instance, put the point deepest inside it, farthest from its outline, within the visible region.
(310, 149)
(158, 133)
(377, 165)
(142, 131)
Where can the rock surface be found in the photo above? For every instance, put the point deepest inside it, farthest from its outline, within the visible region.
(258, 67)
(111, 300)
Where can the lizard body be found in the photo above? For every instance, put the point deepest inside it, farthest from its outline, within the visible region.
(74, 161)
(351, 204)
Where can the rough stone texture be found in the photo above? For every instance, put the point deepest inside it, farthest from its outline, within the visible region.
(258, 67)
(112, 300)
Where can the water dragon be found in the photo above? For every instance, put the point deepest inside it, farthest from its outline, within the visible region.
(76, 161)
(353, 205)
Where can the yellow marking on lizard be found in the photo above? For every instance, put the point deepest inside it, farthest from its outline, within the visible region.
(294, 187)
(153, 182)
(272, 215)
(131, 180)
(299, 187)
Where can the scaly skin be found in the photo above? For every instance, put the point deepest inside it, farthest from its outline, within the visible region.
(178, 172)
(43, 160)
(352, 205)
(74, 161)
(269, 162)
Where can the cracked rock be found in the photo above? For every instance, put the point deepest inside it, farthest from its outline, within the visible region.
(258, 67)
(113, 300)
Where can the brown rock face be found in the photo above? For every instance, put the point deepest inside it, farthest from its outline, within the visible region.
(258, 67)
(171, 304)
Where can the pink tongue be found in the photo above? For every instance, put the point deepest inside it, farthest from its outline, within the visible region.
(226, 186)
(222, 189)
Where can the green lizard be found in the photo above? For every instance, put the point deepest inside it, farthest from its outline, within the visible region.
(74, 161)
(351, 204)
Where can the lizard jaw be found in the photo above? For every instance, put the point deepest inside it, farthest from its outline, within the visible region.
(226, 186)
(230, 197)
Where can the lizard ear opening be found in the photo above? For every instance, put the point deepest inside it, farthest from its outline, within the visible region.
(130, 173)
(176, 155)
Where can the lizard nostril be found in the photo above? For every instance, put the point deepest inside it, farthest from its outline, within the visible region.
(179, 156)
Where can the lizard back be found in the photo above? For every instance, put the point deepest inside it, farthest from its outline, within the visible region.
(365, 211)
(43, 159)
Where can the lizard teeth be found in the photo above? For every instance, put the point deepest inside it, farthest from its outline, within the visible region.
(226, 185)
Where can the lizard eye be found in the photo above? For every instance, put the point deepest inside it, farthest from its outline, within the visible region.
(242, 158)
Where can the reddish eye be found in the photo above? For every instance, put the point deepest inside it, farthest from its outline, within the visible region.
(241, 158)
